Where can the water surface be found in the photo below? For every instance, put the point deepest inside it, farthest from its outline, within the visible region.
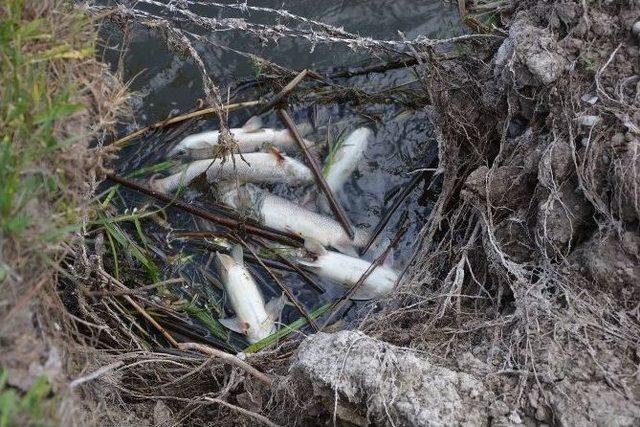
(168, 84)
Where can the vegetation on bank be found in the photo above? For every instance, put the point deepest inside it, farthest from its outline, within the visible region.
(54, 100)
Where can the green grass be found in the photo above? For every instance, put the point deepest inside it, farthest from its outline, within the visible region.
(31, 107)
(35, 407)
(204, 315)
(46, 64)
(285, 330)
(333, 149)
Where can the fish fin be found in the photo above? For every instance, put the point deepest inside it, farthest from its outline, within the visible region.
(254, 124)
(274, 307)
(277, 154)
(237, 254)
(235, 324)
(346, 249)
(363, 294)
(225, 260)
(304, 128)
(310, 265)
(314, 246)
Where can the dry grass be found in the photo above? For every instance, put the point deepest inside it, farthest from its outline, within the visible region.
(56, 98)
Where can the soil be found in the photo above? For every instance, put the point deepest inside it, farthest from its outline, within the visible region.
(529, 271)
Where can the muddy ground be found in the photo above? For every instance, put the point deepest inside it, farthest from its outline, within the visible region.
(522, 304)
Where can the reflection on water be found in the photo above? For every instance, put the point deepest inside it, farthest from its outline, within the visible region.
(403, 141)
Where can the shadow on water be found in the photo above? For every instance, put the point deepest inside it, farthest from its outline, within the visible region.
(403, 142)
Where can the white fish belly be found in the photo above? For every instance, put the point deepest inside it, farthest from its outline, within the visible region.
(245, 298)
(348, 270)
(183, 178)
(259, 167)
(284, 215)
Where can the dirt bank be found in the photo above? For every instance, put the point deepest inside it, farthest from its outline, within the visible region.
(528, 275)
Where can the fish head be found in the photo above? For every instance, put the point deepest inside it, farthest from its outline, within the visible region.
(224, 263)
(268, 326)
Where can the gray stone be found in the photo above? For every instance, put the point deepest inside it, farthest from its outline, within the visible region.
(378, 383)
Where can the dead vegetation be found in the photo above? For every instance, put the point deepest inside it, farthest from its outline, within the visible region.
(526, 277)
(529, 266)
(56, 99)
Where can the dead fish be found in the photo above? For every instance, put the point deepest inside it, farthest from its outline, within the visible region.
(344, 161)
(283, 215)
(347, 270)
(253, 318)
(269, 167)
(347, 157)
(250, 137)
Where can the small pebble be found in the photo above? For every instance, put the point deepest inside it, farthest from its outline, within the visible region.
(589, 121)
(590, 98)
(635, 29)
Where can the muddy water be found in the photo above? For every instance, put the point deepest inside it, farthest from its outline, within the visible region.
(403, 143)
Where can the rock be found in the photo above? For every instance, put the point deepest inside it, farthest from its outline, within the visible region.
(375, 382)
(588, 121)
(561, 217)
(635, 29)
(590, 98)
(530, 56)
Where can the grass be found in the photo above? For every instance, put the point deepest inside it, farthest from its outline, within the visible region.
(35, 407)
(333, 150)
(54, 98)
(285, 330)
(31, 110)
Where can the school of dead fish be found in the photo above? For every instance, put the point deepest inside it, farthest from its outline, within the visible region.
(259, 157)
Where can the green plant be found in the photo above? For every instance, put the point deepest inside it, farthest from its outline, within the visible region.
(31, 109)
(34, 407)
(333, 149)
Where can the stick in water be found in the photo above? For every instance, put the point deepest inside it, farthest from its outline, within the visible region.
(317, 173)
(183, 117)
(397, 201)
(229, 222)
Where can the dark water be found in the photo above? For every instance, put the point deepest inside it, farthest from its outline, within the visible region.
(167, 85)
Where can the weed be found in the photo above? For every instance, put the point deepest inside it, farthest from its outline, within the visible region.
(34, 407)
